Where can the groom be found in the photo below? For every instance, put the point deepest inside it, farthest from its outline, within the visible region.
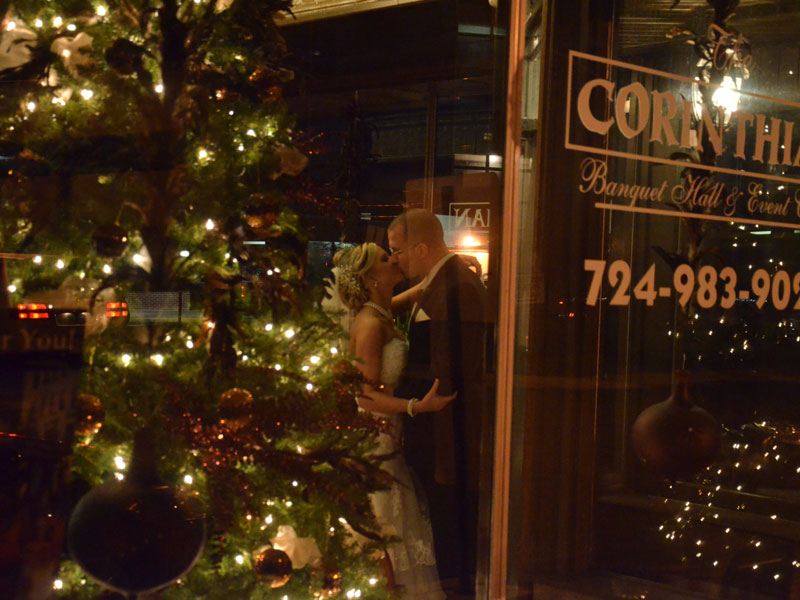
(447, 339)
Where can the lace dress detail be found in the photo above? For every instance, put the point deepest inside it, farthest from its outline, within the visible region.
(402, 510)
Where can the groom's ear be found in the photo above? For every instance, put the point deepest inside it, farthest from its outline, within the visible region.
(421, 250)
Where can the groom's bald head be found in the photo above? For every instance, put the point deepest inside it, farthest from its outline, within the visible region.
(419, 226)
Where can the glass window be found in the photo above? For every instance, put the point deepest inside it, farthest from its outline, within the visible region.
(655, 428)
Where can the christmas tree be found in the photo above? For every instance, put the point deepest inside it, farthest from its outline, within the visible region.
(154, 183)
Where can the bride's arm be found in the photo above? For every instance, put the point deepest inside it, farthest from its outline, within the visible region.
(405, 300)
(369, 337)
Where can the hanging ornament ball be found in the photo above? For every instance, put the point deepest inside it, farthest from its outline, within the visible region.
(89, 415)
(331, 584)
(272, 566)
(136, 535)
(110, 241)
(234, 406)
(676, 438)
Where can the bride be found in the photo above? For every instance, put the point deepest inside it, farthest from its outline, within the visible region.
(364, 281)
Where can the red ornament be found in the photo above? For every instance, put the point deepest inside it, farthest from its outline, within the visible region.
(675, 438)
(136, 535)
(272, 566)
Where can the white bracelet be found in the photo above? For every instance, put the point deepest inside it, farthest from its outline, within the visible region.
(410, 406)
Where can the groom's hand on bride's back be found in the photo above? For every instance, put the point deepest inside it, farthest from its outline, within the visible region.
(433, 401)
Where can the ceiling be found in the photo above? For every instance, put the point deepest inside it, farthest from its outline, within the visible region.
(645, 23)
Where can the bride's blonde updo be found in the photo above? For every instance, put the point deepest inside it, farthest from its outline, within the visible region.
(353, 264)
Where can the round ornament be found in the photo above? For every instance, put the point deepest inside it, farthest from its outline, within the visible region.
(676, 438)
(273, 567)
(110, 241)
(136, 535)
(89, 415)
(235, 405)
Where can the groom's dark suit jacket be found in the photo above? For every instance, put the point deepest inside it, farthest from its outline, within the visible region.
(445, 448)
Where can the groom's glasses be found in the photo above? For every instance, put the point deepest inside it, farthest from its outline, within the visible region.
(396, 251)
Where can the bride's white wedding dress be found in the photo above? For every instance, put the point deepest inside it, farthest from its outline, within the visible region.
(400, 510)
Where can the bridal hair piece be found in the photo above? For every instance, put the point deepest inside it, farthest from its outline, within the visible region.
(346, 292)
(354, 264)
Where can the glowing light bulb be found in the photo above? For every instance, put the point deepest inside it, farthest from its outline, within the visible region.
(309, 387)
(57, 21)
(268, 327)
(289, 333)
(119, 462)
(101, 11)
(12, 25)
(159, 88)
(314, 360)
(38, 23)
(202, 154)
(188, 479)
(334, 350)
(240, 147)
(158, 359)
(209, 224)
(239, 557)
(251, 133)
(107, 269)
(71, 27)
(138, 258)
(59, 264)
(278, 367)
(126, 359)
(31, 106)
(189, 344)
(12, 288)
(86, 93)
(58, 584)
(119, 476)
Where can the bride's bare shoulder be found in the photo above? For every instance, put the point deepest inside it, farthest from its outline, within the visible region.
(366, 320)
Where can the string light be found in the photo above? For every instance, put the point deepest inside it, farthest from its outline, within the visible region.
(126, 359)
(209, 225)
(188, 479)
(57, 21)
(159, 88)
(101, 10)
(119, 462)
(12, 25)
(289, 333)
(158, 359)
(59, 264)
(107, 269)
(240, 559)
(86, 94)
(58, 584)
(12, 288)
(268, 327)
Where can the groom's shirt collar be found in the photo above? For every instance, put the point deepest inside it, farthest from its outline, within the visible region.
(417, 314)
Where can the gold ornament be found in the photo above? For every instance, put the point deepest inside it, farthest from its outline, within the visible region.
(331, 585)
(235, 405)
(89, 415)
(273, 567)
